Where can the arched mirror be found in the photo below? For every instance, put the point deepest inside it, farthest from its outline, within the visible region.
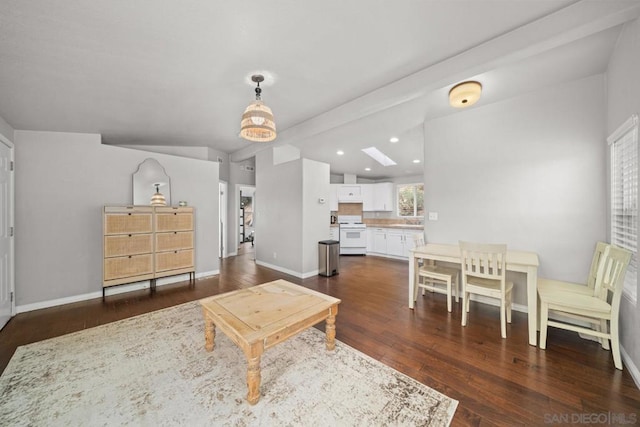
(151, 184)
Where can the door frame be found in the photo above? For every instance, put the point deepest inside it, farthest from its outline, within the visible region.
(11, 224)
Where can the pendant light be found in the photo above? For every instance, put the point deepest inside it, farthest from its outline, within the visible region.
(158, 198)
(257, 121)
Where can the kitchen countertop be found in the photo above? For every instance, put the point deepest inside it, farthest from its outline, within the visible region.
(400, 226)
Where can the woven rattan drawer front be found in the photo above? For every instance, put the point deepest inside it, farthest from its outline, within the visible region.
(174, 222)
(174, 241)
(127, 266)
(174, 260)
(127, 223)
(127, 244)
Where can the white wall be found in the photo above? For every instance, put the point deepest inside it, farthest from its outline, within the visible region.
(62, 182)
(278, 216)
(528, 171)
(289, 221)
(623, 100)
(315, 215)
(6, 130)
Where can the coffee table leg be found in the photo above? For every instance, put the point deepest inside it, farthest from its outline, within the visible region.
(253, 379)
(209, 333)
(330, 330)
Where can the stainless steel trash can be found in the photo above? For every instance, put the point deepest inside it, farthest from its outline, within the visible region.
(328, 257)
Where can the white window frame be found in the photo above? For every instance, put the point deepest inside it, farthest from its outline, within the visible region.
(415, 199)
(625, 233)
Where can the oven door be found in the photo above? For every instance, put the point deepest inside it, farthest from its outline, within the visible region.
(353, 238)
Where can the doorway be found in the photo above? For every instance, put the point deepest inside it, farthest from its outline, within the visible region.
(246, 219)
(222, 214)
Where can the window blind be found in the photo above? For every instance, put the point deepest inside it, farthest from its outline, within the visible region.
(624, 197)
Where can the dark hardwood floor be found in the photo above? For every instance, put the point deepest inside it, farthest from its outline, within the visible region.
(497, 382)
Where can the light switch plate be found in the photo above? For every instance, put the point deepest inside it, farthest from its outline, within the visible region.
(433, 216)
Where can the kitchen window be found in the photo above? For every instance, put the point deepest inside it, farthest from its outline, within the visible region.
(411, 200)
(624, 198)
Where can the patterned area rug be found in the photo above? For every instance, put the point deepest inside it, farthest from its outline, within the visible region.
(153, 370)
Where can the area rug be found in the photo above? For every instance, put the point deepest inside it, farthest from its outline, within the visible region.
(153, 370)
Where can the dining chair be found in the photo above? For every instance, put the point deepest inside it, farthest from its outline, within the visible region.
(600, 307)
(436, 278)
(546, 285)
(484, 273)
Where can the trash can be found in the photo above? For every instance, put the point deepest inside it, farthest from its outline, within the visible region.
(328, 256)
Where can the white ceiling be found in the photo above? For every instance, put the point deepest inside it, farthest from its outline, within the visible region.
(340, 74)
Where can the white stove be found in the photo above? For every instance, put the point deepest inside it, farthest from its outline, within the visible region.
(353, 235)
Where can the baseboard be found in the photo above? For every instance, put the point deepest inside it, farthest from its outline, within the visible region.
(287, 271)
(493, 301)
(633, 369)
(115, 290)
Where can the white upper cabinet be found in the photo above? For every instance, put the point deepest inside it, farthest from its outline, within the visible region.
(333, 197)
(367, 197)
(383, 196)
(350, 193)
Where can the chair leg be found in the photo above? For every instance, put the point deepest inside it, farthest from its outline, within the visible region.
(615, 343)
(465, 309)
(544, 318)
(468, 296)
(503, 318)
(449, 295)
(457, 288)
(603, 328)
(415, 292)
(509, 307)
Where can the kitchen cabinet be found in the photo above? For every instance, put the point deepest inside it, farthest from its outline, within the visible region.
(395, 242)
(333, 197)
(367, 197)
(370, 232)
(334, 233)
(350, 193)
(383, 196)
(380, 241)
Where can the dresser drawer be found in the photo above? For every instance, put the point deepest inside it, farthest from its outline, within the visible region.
(127, 223)
(127, 266)
(174, 260)
(174, 222)
(127, 244)
(174, 241)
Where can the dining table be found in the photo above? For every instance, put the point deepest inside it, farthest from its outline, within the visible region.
(518, 261)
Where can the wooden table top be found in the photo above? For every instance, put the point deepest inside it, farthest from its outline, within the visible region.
(260, 311)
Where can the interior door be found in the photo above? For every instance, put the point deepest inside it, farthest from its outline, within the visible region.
(7, 305)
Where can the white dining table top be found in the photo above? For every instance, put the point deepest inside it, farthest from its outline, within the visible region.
(451, 253)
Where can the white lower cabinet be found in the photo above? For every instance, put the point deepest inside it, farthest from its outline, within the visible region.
(379, 241)
(391, 241)
(395, 242)
(334, 233)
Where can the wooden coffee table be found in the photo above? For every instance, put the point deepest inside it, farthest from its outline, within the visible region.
(260, 317)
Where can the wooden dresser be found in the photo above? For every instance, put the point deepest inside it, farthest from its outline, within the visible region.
(145, 243)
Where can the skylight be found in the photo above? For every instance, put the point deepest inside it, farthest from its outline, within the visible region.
(379, 156)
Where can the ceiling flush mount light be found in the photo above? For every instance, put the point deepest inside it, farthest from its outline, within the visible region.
(257, 121)
(465, 94)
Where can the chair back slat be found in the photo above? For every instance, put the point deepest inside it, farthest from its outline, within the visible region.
(484, 260)
(418, 239)
(595, 263)
(611, 271)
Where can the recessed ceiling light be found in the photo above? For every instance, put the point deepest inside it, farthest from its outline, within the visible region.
(339, 152)
(379, 156)
(394, 139)
(416, 161)
(367, 169)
